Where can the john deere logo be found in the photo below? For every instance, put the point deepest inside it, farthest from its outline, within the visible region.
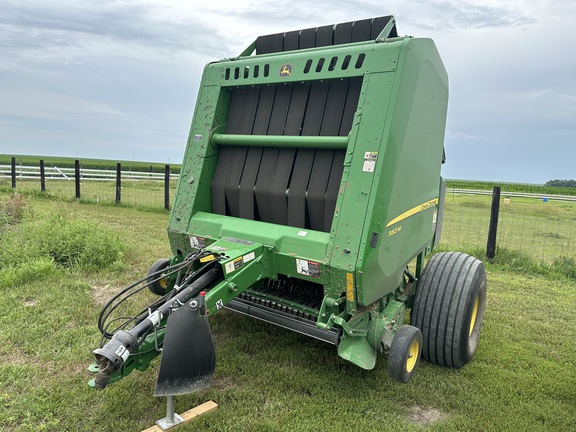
(286, 70)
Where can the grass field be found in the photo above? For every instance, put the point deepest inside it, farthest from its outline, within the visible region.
(523, 376)
(68, 162)
(540, 233)
(141, 194)
(511, 187)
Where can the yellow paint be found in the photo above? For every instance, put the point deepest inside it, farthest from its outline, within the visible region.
(474, 315)
(412, 356)
(414, 210)
(350, 287)
(207, 258)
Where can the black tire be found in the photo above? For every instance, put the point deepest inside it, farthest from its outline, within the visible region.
(449, 307)
(404, 354)
(159, 286)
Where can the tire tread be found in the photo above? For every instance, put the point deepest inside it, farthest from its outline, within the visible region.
(448, 283)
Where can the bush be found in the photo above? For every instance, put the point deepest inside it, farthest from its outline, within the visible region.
(76, 243)
(62, 240)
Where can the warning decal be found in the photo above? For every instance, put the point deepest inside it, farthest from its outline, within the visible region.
(308, 268)
(234, 265)
(369, 161)
(197, 242)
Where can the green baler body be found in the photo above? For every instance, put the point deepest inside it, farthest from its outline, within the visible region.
(387, 202)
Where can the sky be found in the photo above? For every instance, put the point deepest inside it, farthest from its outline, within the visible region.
(118, 80)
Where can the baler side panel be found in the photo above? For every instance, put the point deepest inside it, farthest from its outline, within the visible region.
(353, 202)
(200, 158)
(408, 176)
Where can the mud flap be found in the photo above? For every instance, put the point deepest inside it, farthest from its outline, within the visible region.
(357, 350)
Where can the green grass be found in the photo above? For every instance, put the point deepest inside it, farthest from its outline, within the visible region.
(68, 162)
(542, 232)
(141, 194)
(523, 376)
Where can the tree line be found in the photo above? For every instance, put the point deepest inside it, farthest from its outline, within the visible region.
(561, 183)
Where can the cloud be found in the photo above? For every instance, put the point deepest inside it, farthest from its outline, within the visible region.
(118, 78)
(451, 15)
(461, 136)
(60, 32)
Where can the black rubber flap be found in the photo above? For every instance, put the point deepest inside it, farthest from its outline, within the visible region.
(188, 356)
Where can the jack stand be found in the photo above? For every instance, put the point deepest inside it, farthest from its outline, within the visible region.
(172, 419)
(185, 417)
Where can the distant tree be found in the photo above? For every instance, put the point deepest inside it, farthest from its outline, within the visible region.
(561, 183)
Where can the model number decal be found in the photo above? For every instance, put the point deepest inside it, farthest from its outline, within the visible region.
(395, 230)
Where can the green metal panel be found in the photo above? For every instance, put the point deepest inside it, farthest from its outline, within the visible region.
(289, 243)
(407, 181)
(200, 157)
(330, 62)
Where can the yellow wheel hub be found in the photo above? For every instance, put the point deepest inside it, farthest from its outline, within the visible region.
(412, 356)
(163, 283)
(473, 318)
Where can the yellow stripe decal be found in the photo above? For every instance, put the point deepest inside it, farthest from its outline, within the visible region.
(350, 287)
(419, 208)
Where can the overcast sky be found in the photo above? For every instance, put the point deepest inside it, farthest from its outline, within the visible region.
(118, 79)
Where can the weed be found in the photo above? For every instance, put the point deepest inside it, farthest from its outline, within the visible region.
(12, 210)
(36, 249)
(565, 266)
(73, 242)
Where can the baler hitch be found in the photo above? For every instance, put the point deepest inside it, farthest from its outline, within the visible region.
(181, 312)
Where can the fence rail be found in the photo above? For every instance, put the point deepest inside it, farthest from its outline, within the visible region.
(55, 173)
(536, 225)
(99, 185)
(513, 194)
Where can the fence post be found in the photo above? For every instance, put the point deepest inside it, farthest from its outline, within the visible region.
(42, 177)
(492, 231)
(77, 177)
(13, 172)
(167, 187)
(118, 182)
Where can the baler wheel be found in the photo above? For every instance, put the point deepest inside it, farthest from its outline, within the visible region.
(404, 353)
(449, 308)
(161, 286)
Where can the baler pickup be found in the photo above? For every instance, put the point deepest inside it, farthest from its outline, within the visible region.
(309, 196)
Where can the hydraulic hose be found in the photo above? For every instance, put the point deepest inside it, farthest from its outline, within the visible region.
(112, 356)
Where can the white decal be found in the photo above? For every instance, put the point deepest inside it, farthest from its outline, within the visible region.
(302, 267)
(229, 267)
(369, 161)
(249, 257)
